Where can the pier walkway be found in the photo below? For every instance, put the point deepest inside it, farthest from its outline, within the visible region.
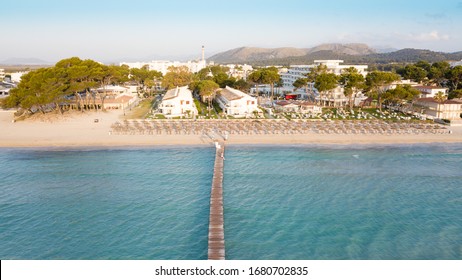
(216, 244)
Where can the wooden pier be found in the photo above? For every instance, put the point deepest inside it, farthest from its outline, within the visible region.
(216, 221)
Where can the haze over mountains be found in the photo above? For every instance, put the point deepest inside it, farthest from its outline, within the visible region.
(350, 53)
(255, 54)
(23, 61)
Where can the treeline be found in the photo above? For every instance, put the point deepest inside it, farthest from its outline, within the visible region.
(71, 81)
(439, 73)
(401, 56)
(376, 84)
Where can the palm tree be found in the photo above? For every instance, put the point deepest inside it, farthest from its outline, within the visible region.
(440, 97)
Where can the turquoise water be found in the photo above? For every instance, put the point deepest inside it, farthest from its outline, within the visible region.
(298, 202)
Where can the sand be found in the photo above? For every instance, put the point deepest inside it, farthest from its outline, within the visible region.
(80, 130)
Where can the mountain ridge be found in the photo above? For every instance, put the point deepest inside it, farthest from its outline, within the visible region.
(23, 61)
(249, 54)
(350, 53)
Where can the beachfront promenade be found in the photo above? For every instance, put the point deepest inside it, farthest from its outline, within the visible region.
(265, 127)
(216, 240)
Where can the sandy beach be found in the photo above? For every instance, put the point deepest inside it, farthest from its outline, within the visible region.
(81, 130)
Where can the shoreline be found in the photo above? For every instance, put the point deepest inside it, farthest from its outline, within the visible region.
(79, 130)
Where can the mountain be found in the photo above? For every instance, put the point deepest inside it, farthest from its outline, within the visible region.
(348, 49)
(251, 54)
(23, 61)
(349, 53)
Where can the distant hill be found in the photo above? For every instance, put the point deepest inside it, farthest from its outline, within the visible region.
(23, 61)
(251, 54)
(350, 53)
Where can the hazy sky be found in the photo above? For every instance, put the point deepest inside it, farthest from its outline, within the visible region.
(141, 29)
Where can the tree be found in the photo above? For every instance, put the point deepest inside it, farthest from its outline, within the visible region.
(38, 90)
(207, 90)
(255, 77)
(144, 77)
(75, 73)
(440, 97)
(242, 85)
(454, 75)
(379, 82)
(108, 75)
(438, 72)
(455, 94)
(424, 65)
(49, 88)
(414, 73)
(313, 74)
(177, 77)
(326, 82)
(301, 82)
(400, 95)
(270, 76)
(352, 81)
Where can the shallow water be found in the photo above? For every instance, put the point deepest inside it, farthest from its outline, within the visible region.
(298, 202)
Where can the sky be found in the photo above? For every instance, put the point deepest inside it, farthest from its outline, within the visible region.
(113, 31)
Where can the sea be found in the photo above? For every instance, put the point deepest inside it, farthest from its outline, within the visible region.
(302, 202)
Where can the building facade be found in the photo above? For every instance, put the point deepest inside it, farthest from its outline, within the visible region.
(430, 91)
(304, 107)
(163, 65)
(336, 96)
(178, 102)
(429, 107)
(236, 103)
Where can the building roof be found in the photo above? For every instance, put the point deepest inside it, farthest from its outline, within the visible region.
(112, 88)
(293, 103)
(429, 99)
(428, 87)
(182, 92)
(282, 103)
(232, 94)
(307, 103)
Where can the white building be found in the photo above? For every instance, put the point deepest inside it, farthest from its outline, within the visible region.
(303, 107)
(178, 102)
(333, 66)
(296, 72)
(430, 91)
(236, 103)
(2, 74)
(115, 90)
(449, 109)
(4, 92)
(455, 63)
(163, 65)
(16, 76)
(239, 71)
(401, 83)
(334, 97)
